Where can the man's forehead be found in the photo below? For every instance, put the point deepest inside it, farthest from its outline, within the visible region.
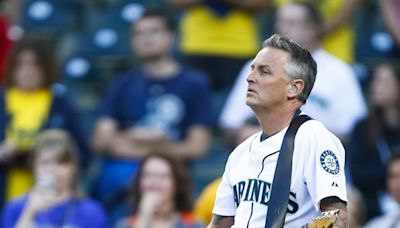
(270, 55)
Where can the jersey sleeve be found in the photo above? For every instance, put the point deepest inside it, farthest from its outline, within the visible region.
(324, 159)
(224, 202)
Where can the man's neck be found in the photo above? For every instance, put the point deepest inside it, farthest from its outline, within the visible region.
(161, 68)
(272, 122)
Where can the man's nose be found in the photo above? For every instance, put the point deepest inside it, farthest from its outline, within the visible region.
(250, 77)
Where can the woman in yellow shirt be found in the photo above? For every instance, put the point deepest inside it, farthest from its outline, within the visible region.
(29, 104)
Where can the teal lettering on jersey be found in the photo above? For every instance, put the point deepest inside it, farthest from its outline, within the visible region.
(253, 190)
(258, 191)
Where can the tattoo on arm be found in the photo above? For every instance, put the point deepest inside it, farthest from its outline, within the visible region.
(219, 221)
(333, 203)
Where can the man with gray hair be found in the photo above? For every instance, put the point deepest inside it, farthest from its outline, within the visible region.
(281, 78)
(336, 99)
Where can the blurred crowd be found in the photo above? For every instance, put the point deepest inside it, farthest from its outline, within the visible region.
(121, 113)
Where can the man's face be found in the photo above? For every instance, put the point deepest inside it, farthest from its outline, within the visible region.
(292, 22)
(394, 180)
(268, 84)
(151, 38)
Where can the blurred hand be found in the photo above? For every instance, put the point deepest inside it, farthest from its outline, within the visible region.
(149, 204)
(41, 199)
(7, 151)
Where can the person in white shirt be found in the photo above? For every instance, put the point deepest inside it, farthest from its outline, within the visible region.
(336, 99)
(281, 78)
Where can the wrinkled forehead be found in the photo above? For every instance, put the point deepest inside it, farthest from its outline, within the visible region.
(272, 57)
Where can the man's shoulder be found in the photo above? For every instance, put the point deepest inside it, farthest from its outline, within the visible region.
(314, 128)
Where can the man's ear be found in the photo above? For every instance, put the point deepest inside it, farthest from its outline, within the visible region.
(296, 87)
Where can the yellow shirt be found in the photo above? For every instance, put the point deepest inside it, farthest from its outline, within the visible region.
(339, 43)
(233, 35)
(28, 112)
(205, 202)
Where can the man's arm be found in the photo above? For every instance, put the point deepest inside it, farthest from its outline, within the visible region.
(219, 221)
(137, 142)
(334, 203)
(194, 146)
(105, 131)
(108, 139)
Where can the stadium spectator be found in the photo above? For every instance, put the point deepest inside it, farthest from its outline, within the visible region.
(337, 32)
(219, 36)
(29, 103)
(392, 218)
(161, 104)
(376, 137)
(55, 200)
(161, 195)
(336, 99)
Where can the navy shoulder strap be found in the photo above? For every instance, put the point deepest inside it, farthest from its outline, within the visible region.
(279, 197)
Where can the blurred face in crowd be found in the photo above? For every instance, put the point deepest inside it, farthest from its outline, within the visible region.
(394, 180)
(28, 76)
(268, 83)
(292, 22)
(384, 87)
(157, 178)
(151, 38)
(52, 174)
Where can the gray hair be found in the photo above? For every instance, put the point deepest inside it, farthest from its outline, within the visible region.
(300, 65)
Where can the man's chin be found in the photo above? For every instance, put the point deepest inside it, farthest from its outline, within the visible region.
(250, 103)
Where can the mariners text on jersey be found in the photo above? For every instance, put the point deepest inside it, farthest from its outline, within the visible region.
(258, 191)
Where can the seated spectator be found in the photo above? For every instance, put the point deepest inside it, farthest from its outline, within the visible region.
(161, 195)
(219, 36)
(376, 137)
(30, 103)
(337, 33)
(161, 104)
(55, 200)
(391, 219)
(336, 98)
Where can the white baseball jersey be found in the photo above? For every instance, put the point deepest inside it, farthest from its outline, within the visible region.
(317, 173)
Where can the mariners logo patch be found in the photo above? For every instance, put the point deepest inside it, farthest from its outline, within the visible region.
(329, 162)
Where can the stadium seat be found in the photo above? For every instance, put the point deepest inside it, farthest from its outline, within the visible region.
(48, 16)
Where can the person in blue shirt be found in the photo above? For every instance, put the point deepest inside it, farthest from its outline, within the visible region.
(55, 200)
(162, 104)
